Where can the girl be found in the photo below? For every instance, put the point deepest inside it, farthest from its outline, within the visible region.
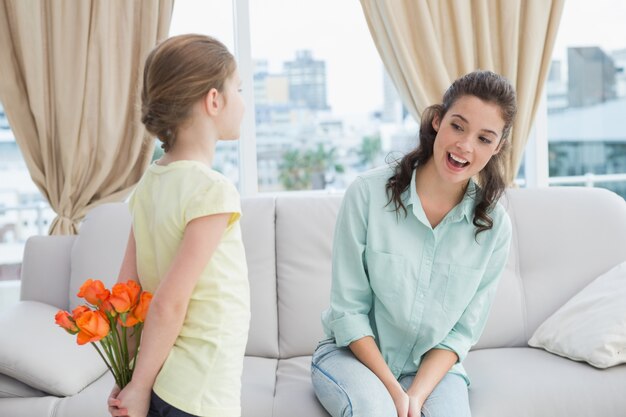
(417, 254)
(185, 243)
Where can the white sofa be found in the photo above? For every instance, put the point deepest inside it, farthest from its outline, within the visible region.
(562, 239)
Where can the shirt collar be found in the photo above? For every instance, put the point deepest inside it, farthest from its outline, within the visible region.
(465, 209)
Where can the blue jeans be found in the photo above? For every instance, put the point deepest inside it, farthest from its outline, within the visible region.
(159, 408)
(347, 388)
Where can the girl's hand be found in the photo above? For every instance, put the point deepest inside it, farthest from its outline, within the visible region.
(135, 400)
(401, 401)
(415, 407)
(114, 403)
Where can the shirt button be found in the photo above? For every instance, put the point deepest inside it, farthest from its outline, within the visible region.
(421, 295)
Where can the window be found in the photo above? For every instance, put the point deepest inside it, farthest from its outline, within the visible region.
(586, 96)
(23, 212)
(213, 18)
(324, 109)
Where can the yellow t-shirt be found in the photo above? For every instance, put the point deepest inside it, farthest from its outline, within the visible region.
(202, 374)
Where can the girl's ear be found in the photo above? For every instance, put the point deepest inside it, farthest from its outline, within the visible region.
(212, 102)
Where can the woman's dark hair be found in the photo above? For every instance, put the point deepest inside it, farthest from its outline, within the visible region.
(178, 72)
(489, 87)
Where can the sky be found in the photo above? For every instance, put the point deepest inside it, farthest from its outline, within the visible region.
(280, 27)
(336, 31)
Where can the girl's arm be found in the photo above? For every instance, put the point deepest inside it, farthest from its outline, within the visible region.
(366, 350)
(128, 270)
(169, 306)
(434, 366)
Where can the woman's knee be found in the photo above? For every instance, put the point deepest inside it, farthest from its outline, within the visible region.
(350, 397)
(448, 399)
(346, 387)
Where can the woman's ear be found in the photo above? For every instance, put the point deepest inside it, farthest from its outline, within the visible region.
(212, 102)
(499, 147)
(436, 123)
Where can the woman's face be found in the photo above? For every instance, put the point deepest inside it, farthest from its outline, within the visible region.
(468, 136)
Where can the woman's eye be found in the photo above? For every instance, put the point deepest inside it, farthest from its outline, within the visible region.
(456, 127)
(485, 140)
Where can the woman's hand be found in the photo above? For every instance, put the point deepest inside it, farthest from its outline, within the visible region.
(114, 403)
(401, 401)
(135, 400)
(415, 407)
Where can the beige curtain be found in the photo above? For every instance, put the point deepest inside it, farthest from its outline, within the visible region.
(70, 75)
(427, 44)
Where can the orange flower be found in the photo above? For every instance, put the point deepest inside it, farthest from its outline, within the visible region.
(127, 319)
(78, 311)
(108, 308)
(65, 320)
(92, 326)
(141, 310)
(124, 296)
(94, 292)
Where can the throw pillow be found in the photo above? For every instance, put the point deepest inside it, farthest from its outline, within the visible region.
(591, 326)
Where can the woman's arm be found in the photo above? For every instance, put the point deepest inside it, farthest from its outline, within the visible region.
(169, 306)
(366, 350)
(434, 366)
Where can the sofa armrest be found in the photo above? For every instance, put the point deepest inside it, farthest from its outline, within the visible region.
(37, 352)
(46, 270)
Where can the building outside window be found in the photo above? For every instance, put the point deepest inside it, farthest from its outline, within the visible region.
(324, 108)
(586, 97)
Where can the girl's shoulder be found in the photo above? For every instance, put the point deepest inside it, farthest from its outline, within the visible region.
(189, 170)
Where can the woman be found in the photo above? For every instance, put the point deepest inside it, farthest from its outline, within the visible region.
(417, 254)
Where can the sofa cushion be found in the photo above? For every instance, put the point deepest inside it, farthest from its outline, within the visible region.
(29, 407)
(294, 390)
(567, 236)
(304, 234)
(92, 398)
(521, 382)
(47, 259)
(258, 386)
(257, 226)
(37, 352)
(99, 249)
(11, 388)
(590, 327)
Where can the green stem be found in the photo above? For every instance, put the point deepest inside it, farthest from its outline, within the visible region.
(115, 375)
(114, 363)
(120, 357)
(126, 359)
(137, 335)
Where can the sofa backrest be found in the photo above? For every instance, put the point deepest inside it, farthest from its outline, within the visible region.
(563, 238)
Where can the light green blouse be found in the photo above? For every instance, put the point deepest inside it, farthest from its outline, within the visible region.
(413, 288)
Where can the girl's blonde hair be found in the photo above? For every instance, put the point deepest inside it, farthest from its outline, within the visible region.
(180, 71)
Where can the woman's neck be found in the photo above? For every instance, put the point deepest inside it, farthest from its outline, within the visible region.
(430, 186)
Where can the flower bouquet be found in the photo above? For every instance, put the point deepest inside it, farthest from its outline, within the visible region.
(110, 318)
